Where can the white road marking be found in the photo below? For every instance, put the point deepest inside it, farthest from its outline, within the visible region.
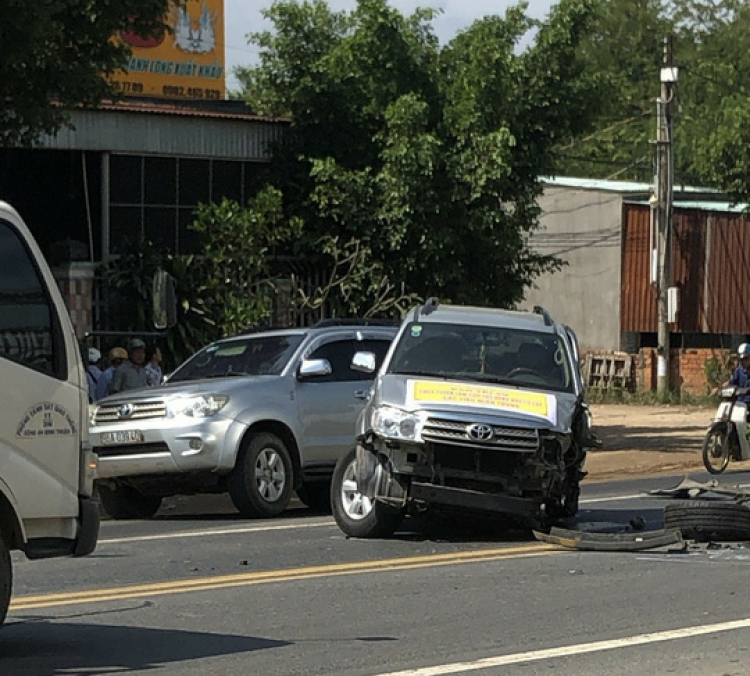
(219, 531)
(301, 526)
(614, 498)
(572, 650)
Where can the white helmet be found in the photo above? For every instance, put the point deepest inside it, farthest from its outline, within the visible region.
(743, 350)
(95, 355)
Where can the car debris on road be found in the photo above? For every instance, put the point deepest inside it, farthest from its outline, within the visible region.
(610, 542)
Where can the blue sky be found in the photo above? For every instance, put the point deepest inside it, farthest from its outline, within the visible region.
(243, 17)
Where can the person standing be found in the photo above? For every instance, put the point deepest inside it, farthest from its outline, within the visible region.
(131, 375)
(116, 356)
(154, 375)
(95, 376)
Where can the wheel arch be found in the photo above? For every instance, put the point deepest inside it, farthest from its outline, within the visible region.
(11, 527)
(286, 435)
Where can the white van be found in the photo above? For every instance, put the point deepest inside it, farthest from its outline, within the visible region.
(47, 468)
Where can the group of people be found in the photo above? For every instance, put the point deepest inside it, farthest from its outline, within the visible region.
(128, 369)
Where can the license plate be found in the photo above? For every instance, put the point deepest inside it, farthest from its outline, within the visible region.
(123, 437)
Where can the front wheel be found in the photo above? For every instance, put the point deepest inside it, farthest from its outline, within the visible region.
(356, 514)
(125, 502)
(260, 484)
(6, 579)
(716, 450)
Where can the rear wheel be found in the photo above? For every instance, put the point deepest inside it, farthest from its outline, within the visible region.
(356, 514)
(316, 496)
(716, 450)
(6, 579)
(260, 484)
(125, 502)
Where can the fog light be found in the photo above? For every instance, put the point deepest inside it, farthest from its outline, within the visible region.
(196, 444)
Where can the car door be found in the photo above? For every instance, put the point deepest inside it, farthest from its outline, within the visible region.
(329, 405)
(42, 393)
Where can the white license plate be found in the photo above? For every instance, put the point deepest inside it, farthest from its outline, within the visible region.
(123, 437)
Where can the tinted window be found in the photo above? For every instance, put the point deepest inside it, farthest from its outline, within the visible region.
(26, 334)
(340, 353)
(259, 356)
(484, 353)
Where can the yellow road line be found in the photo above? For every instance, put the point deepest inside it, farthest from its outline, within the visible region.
(264, 577)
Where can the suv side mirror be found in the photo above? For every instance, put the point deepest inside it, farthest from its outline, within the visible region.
(364, 362)
(164, 298)
(314, 368)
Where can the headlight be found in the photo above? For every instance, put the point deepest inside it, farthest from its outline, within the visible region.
(394, 423)
(198, 407)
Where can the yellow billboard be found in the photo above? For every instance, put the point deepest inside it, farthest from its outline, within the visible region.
(184, 63)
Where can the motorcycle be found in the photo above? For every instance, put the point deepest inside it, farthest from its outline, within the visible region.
(726, 438)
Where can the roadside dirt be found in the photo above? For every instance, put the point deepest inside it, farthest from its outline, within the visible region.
(648, 440)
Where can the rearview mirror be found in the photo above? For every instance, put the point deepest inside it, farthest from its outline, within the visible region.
(164, 299)
(313, 368)
(364, 362)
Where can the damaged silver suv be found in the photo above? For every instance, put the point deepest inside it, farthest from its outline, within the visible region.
(474, 408)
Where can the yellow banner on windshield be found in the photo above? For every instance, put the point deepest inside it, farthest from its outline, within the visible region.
(484, 396)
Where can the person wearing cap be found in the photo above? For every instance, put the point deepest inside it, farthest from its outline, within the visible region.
(131, 375)
(95, 376)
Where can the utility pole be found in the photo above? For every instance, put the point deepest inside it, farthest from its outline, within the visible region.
(663, 212)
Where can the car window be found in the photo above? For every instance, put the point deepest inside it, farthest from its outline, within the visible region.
(246, 356)
(26, 311)
(485, 353)
(339, 354)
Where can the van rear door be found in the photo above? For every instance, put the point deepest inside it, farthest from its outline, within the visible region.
(44, 405)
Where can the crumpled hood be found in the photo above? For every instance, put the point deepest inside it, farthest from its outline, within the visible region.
(505, 404)
(192, 388)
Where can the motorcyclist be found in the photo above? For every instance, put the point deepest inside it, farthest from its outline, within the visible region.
(741, 375)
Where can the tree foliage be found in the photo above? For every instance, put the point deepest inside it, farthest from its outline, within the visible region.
(54, 53)
(429, 158)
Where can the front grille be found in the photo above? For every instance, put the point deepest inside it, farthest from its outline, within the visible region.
(135, 449)
(142, 410)
(447, 431)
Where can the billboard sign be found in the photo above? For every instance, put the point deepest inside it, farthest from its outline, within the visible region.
(185, 63)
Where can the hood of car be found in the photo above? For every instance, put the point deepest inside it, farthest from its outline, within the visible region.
(516, 406)
(193, 388)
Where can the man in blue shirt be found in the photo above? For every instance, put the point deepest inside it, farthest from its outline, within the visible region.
(741, 376)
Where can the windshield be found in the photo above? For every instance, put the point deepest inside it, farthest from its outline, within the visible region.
(484, 353)
(247, 356)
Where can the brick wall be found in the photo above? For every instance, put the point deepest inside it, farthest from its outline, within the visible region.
(687, 369)
(76, 282)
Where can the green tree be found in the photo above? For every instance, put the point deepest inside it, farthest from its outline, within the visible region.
(430, 158)
(53, 56)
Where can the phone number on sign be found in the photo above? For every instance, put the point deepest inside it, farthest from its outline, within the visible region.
(191, 92)
(128, 87)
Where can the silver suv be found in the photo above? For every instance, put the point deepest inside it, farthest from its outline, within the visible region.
(474, 408)
(257, 415)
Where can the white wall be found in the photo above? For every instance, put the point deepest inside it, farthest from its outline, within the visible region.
(584, 228)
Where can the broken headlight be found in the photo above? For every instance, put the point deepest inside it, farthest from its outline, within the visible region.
(393, 423)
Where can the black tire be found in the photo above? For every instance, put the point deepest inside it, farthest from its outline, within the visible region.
(715, 450)
(260, 484)
(316, 496)
(6, 580)
(380, 521)
(126, 502)
(708, 519)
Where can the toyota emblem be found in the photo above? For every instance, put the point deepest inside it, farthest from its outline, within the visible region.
(124, 410)
(480, 432)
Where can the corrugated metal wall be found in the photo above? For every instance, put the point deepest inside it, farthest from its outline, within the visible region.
(711, 266)
(728, 287)
(638, 300)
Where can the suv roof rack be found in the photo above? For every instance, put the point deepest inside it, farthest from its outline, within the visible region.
(539, 310)
(325, 323)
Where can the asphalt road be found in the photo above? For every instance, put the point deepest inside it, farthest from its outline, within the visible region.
(215, 594)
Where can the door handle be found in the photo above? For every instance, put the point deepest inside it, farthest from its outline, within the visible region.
(362, 394)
